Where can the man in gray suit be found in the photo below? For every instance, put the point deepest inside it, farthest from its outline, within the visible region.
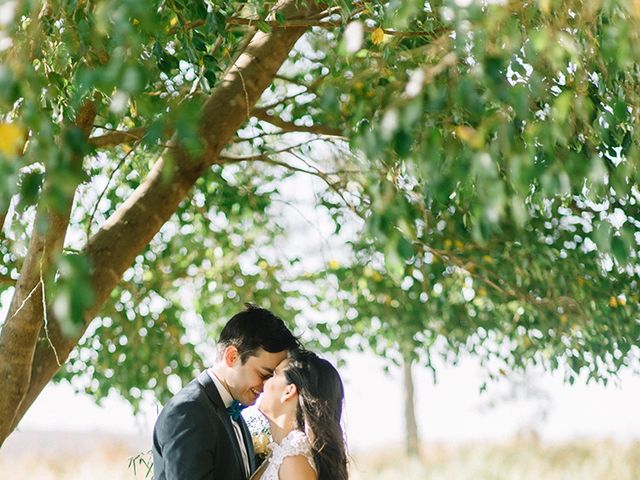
(200, 433)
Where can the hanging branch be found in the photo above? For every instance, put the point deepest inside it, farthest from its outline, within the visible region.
(261, 114)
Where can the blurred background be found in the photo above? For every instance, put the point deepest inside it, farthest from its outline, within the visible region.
(523, 427)
(441, 197)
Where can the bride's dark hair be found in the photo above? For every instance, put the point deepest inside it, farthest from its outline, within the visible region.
(320, 398)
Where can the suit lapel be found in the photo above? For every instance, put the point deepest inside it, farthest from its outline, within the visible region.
(212, 392)
(248, 442)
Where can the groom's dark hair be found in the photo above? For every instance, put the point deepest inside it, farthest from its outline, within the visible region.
(255, 328)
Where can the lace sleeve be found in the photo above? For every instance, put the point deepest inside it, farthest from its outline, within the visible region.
(296, 443)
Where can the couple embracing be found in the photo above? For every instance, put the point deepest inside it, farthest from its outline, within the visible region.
(200, 434)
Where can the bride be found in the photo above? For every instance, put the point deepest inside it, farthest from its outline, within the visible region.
(303, 403)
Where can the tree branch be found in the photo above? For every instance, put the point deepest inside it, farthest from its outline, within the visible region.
(20, 330)
(95, 208)
(292, 80)
(261, 114)
(117, 137)
(127, 232)
(260, 156)
(3, 217)
(316, 172)
(240, 21)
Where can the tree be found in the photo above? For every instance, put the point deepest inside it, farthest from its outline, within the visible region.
(485, 148)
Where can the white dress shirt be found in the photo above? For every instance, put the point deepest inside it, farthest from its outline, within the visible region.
(227, 400)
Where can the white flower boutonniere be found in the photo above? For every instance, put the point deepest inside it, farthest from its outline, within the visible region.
(260, 437)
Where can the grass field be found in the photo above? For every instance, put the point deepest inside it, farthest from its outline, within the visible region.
(514, 460)
(72, 457)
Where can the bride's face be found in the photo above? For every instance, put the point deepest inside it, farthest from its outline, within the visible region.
(272, 401)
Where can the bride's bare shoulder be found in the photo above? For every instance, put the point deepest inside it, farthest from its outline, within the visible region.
(297, 467)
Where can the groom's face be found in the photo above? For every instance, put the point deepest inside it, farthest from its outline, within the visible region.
(246, 380)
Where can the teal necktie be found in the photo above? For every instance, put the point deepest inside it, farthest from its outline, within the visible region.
(235, 409)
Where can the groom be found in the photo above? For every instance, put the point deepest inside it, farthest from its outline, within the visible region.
(200, 433)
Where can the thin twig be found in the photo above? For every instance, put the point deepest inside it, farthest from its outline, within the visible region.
(44, 315)
(117, 137)
(95, 208)
(246, 94)
(325, 24)
(260, 135)
(25, 300)
(276, 121)
(280, 102)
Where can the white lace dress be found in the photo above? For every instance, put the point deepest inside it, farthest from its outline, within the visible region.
(295, 443)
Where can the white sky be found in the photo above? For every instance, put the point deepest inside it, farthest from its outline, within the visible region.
(449, 411)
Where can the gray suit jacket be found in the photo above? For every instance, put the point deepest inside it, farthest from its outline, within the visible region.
(193, 438)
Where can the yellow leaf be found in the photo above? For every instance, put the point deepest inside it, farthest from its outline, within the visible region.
(464, 133)
(12, 139)
(545, 6)
(173, 22)
(469, 136)
(377, 36)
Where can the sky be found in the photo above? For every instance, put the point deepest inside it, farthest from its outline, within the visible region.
(450, 411)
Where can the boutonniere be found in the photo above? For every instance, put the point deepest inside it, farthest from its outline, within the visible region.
(260, 437)
(261, 446)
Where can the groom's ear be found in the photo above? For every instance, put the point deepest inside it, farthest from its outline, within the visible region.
(230, 355)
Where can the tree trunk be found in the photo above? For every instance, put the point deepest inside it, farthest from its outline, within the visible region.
(24, 320)
(411, 427)
(126, 233)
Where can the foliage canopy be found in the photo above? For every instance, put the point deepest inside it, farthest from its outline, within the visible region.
(487, 152)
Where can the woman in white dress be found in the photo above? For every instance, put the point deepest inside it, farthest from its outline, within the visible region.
(303, 403)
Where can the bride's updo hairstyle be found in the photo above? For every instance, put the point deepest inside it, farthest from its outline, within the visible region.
(320, 398)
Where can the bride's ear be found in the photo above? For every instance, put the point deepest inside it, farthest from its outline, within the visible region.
(290, 391)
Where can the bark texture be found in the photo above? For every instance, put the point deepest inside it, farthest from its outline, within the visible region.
(126, 233)
(24, 320)
(411, 426)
